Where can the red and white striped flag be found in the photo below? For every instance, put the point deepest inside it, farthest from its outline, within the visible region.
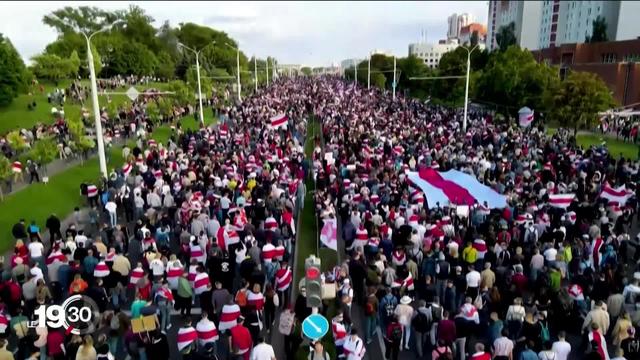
(278, 121)
(136, 275)
(619, 195)
(268, 252)
(329, 234)
(561, 200)
(407, 283)
(186, 337)
(174, 271)
(229, 317)
(101, 270)
(126, 169)
(92, 191)
(200, 283)
(255, 300)
(284, 277)
(207, 332)
(56, 255)
(16, 167)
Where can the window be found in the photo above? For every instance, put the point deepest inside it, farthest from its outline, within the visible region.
(608, 58)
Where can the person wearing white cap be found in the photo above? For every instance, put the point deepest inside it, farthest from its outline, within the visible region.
(404, 312)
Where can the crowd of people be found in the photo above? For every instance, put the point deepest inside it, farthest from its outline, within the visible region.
(461, 280)
(199, 232)
(206, 220)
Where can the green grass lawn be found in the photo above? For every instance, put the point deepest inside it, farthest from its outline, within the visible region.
(60, 196)
(17, 116)
(616, 147)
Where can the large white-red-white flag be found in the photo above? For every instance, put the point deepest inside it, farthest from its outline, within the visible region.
(561, 200)
(279, 121)
(618, 195)
(329, 234)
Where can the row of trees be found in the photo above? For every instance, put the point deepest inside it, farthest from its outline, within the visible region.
(503, 80)
(14, 76)
(135, 47)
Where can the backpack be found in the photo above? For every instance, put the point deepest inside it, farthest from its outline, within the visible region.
(368, 310)
(421, 323)
(443, 355)
(396, 334)
(389, 309)
(241, 298)
(544, 332)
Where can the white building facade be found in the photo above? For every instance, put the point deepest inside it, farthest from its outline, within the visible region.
(545, 23)
(524, 14)
(431, 53)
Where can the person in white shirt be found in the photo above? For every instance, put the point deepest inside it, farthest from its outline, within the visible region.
(111, 208)
(354, 346)
(81, 238)
(561, 348)
(157, 266)
(473, 282)
(36, 249)
(263, 351)
(550, 256)
(503, 346)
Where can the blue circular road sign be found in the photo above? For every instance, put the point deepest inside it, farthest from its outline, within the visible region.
(315, 326)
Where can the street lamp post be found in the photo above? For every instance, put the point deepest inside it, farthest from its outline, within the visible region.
(355, 66)
(237, 67)
(394, 78)
(369, 73)
(198, 74)
(267, 70)
(255, 71)
(94, 96)
(466, 89)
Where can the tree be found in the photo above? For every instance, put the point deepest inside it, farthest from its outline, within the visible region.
(13, 74)
(166, 67)
(599, 31)
(84, 18)
(5, 172)
(454, 63)
(81, 142)
(182, 95)
(16, 140)
(408, 68)
(306, 71)
(506, 36)
(74, 64)
(513, 79)
(53, 67)
(576, 101)
(153, 111)
(131, 58)
(44, 151)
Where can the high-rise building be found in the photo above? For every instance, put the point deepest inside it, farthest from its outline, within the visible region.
(455, 23)
(568, 22)
(546, 23)
(524, 14)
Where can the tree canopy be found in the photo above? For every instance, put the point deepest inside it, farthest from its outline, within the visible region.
(576, 101)
(13, 74)
(599, 31)
(138, 48)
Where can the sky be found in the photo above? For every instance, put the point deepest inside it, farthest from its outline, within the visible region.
(307, 33)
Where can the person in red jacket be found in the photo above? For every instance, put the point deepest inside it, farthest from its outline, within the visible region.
(393, 338)
(446, 329)
(480, 354)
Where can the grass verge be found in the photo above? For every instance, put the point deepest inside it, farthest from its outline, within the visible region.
(617, 148)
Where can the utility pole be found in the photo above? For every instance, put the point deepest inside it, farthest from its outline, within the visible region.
(466, 89)
(394, 78)
(355, 66)
(255, 71)
(369, 73)
(267, 70)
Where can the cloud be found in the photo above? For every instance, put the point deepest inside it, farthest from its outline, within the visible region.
(312, 33)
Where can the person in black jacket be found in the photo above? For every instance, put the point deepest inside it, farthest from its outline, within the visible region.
(19, 230)
(53, 224)
(158, 347)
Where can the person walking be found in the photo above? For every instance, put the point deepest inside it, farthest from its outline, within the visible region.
(393, 339)
(404, 313)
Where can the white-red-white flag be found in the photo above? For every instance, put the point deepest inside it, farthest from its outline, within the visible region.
(561, 200)
(329, 234)
(618, 195)
(279, 121)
